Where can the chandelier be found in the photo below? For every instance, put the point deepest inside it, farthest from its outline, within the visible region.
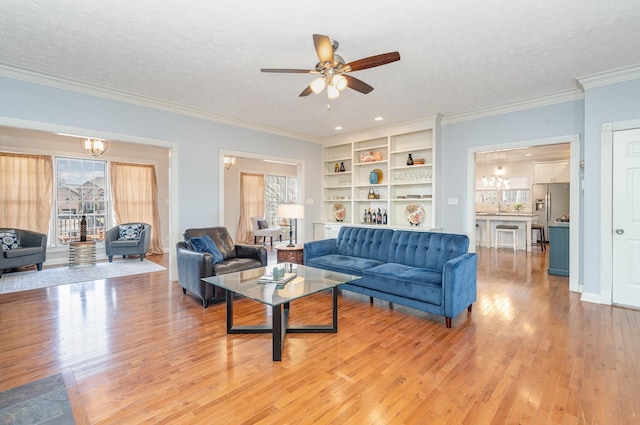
(95, 147)
(498, 182)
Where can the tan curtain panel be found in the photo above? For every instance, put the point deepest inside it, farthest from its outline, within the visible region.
(251, 204)
(26, 188)
(135, 198)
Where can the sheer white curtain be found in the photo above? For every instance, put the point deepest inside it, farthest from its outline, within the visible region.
(135, 198)
(251, 204)
(26, 187)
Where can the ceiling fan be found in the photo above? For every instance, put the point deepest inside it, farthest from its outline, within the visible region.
(332, 69)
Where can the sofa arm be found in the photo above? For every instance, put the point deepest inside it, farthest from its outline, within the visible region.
(192, 266)
(319, 248)
(459, 283)
(252, 251)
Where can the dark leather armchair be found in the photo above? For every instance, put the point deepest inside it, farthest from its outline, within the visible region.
(193, 266)
(114, 245)
(33, 250)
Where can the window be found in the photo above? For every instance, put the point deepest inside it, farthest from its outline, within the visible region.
(80, 190)
(517, 196)
(278, 190)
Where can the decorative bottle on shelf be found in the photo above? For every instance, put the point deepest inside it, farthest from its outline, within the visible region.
(83, 229)
(364, 216)
(336, 169)
(384, 217)
(342, 169)
(379, 217)
(410, 160)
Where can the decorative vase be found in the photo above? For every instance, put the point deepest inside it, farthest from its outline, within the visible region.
(83, 229)
(371, 194)
(342, 169)
(373, 177)
(410, 160)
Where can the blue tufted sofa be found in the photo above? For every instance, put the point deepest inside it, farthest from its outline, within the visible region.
(432, 272)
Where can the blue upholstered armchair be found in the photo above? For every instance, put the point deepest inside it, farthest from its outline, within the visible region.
(128, 239)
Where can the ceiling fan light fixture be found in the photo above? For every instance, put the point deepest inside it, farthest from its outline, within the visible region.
(340, 82)
(317, 85)
(333, 92)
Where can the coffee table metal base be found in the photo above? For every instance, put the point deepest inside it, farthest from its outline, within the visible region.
(280, 323)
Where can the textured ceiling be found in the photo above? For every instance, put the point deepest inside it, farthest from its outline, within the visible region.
(457, 56)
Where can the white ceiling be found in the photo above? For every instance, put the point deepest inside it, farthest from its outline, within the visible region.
(456, 56)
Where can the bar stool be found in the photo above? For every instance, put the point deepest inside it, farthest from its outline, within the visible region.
(508, 229)
(540, 237)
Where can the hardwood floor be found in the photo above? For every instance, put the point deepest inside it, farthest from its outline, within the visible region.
(136, 350)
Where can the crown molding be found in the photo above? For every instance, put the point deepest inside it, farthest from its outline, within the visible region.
(605, 78)
(521, 105)
(122, 96)
(384, 130)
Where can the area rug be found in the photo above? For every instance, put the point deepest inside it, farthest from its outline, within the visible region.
(42, 402)
(33, 279)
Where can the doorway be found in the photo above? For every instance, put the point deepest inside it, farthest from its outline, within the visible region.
(574, 234)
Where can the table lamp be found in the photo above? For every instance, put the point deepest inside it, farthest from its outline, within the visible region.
(291, 212)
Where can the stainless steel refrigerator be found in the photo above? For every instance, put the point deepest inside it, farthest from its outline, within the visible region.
(550, 202)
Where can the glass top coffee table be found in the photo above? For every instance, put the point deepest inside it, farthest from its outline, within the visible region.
(307, 281)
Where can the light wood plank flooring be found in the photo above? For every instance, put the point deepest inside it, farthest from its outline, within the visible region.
(136, 350)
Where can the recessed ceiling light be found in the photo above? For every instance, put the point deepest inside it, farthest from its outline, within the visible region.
(378, 118)
(528, 154)
(337, 127)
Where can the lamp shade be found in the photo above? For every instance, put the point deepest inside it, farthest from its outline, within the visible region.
(290, 211)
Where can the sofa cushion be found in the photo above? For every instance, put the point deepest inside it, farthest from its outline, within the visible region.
(236, 265)
(9, 240)
(365, 242)
(205, 244)
(405, 281)
(22, 252)
(343, 263)
(130, 231)
(426, 250)
(125, 243)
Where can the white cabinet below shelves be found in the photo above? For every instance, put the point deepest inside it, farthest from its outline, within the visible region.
(551, 172)
(325, 231)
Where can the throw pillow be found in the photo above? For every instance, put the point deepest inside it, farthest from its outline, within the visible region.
(9, 240)
(130, 232)
(262, 224)
(205, 244)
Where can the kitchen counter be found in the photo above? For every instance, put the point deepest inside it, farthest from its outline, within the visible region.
(491, 219)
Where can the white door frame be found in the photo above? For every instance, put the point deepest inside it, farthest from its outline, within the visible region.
(575, 284)
(606, 205)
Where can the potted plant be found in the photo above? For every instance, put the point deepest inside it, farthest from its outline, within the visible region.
(518, 207)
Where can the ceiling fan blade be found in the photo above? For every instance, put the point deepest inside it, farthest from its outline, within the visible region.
(306, 92)
(358, 85)
(372, 61)
(324, 49)
(294, 71)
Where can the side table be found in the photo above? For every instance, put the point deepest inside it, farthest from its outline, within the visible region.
(82, 253)
(290, 254)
